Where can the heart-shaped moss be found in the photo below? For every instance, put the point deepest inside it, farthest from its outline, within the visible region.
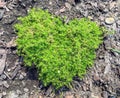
(59, 51)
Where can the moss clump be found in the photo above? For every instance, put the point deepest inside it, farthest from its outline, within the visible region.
(59, 51)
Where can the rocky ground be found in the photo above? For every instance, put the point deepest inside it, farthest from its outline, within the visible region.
(102, 80)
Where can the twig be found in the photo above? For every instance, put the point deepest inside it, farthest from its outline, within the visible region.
(115, 50)
(7, 75)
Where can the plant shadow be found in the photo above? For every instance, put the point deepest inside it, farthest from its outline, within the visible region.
(32, 73)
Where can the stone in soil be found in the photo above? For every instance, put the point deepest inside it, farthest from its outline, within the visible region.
(1, 95)
(12, 94)
(8, 69)
(69, 96)
(72, 1)
(21, 77)
(39, 96)
(26, 89)
(1, 13)
(118, 3)
(4, 93)
(26, 95)
(118, 91)
(109, 20)
(5, 84)
(18, 92)
(112, 96)
(105, 94)
(118, 22)
(67, 5)
(107, 69)
(1, 83)
(3, 77)
(95, 96)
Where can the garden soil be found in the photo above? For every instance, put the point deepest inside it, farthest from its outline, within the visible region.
(101, 81)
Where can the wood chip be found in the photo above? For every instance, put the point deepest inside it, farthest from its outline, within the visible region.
(15, 72)
(3, 62)
(7, 75)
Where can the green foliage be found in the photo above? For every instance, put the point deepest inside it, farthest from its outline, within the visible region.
(59, 51)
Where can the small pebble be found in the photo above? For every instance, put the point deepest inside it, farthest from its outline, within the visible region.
(1, 83)
(3, 77)
(118, 91)
(24, 74)
(69, 96)
(67, 5)
(112, 97)
(26, 95)
(1, 13)
(50, 3)
(94, 96)
(34, 86)
(118, 22)
(105, 94)
(32, 92)
(23, 83)
(90, 17)
(109, 21)
(40, 96)
(18, 92)
(21, 77)
(9, 70)
(12, 94)
(26, 89)
(1, 95)
(4, 93)
(107, 69)
(101, 18)
(105, 10)
(6, 84)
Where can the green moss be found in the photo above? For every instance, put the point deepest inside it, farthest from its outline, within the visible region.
(59, 51)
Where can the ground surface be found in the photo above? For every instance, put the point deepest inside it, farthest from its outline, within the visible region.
(102, 80)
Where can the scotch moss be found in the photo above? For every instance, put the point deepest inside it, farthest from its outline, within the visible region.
(59, 51)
